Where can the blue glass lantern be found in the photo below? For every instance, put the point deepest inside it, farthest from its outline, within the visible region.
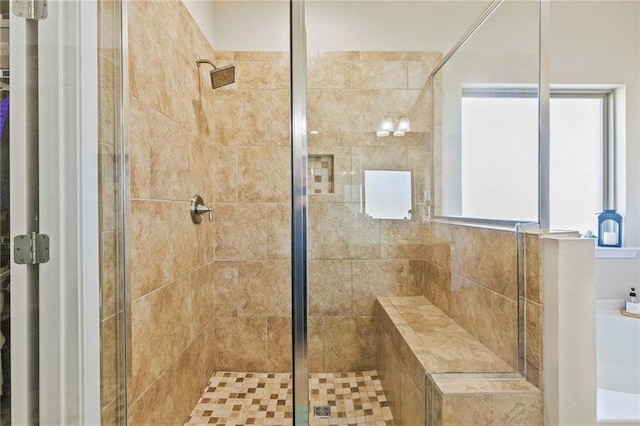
(609, 229)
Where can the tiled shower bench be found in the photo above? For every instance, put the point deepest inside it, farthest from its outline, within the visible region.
(435, 373)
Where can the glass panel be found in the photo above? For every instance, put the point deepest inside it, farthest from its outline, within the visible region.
(486, 165)
(499, 152)
(210, 304)
(485, 172)
(111, 180)
(369, 108)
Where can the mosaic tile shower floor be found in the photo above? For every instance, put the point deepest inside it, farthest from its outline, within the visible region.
(266, 399)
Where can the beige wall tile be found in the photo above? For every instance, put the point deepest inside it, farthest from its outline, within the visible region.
(269, 74)
(402, 239)
(437, 287)
(518, 410)
(279, 345)
(165, 14)
(159, 155)
(350, 343)
(264, 174)
(316, 344)
(488, 258)
(223, 55)
(349, 235)
(148, 44)
(150, 246)
(383, 56)
(504, 315)
(156, 406)
(109, 290)
(419, 157)
(379, 75)
(244, 113)
(141, 133)
(108, 24)
(329, 74)
(532, 256)
(110, 415)
(226, 289)
(186, 255)
(190, 378)
(339, 56)
(209, 357)
(202, 298)
(109, 361)
(468, 410)
(279, 231)
(170, 172)
(241, 231)
(389, 366)
(441, 250)
(158, 334)
(378, 158)
(278, 122)
(241, 344)
(254, 56)
(534, 344)
(202, 158)
(340, 112)
(415, 104)
(264, 288)
(330, 287)
(315, 230)
(226, 174)
(108, 187)
(374, 278)
(471, 308)
(419, 72)
(412, 405)
(438, 409)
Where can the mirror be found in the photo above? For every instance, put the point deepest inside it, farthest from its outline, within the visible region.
(387, 194)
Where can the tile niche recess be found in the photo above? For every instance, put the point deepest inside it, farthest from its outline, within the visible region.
(320, 174)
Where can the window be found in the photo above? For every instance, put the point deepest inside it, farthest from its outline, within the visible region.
(499, 156)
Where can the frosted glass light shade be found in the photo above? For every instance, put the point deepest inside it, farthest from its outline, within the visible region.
(404, 125)
(386, 125)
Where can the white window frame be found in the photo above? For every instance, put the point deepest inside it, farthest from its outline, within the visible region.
(608, 96)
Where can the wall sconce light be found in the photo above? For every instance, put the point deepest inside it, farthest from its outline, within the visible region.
(398, 127)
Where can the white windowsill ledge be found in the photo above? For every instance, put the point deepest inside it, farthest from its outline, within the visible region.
(617, 253)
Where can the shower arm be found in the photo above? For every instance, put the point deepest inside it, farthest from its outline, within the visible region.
(205, 61)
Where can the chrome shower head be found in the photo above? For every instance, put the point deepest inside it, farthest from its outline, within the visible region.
(219, 76)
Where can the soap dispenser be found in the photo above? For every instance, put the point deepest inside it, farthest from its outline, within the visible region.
(632, 305)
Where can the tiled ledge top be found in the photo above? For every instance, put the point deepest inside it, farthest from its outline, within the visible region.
(440, 345)
(482, 383)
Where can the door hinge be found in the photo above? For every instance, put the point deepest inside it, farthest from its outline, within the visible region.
(30, 9)
(31, 249)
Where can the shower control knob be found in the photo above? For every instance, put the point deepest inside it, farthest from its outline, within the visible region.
(198, 209)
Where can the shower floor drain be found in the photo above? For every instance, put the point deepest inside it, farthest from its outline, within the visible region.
(321, 411)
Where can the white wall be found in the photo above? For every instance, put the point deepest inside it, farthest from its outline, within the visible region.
(597, 43)
(569, 331)
(346, 25)
(614, 277)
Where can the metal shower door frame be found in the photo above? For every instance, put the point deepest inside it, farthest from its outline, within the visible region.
(299, 291)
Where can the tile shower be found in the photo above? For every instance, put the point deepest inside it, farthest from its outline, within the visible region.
(215, 298)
